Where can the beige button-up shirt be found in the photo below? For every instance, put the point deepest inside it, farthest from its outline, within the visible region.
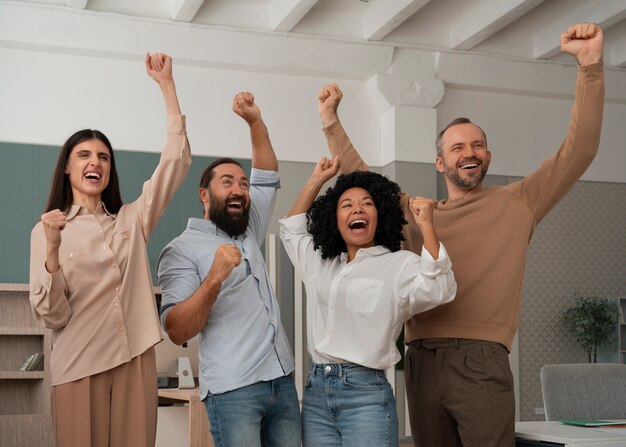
(100, 304)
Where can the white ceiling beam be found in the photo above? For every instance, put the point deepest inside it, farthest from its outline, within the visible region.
(383, 16)
(486, 19)
(184, 10)
(63, 30)
(78, 4)
(285, 14)
(603, 12)
(616, 55)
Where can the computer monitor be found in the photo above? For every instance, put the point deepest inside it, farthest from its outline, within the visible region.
(167, 354)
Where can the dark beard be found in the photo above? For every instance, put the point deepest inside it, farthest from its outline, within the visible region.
(465, 185)
(233, 225)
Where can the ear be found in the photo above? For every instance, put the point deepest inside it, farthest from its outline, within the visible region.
(204, 195)
(439, 165)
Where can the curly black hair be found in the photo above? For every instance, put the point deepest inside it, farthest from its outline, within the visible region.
(322, 216)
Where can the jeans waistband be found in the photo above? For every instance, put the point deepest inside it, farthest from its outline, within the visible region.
(338, 369)
(437, 343)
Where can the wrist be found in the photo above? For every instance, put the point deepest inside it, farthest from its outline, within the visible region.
(589, 57)
(329, 118)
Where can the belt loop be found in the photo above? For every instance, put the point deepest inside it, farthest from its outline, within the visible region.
(339, 370)
(457, 341)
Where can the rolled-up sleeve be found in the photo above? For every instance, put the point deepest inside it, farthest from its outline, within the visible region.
(427, 282)
(48, 298)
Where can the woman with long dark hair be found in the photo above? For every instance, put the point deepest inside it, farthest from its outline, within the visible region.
(360, 289)
(90, 283)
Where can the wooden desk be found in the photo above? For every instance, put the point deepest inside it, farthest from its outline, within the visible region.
(567, 435)
(199, 434)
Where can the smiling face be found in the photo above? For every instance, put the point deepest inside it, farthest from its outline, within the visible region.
(357, 219)
(464, 159)
(88, 168)
(227, 199)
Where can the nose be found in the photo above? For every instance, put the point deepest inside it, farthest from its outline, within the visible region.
(237, 189)
(468, 150)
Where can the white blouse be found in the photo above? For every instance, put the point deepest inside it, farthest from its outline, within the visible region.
(355, 310)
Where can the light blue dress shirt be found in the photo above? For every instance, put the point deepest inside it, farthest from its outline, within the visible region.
(243, 341)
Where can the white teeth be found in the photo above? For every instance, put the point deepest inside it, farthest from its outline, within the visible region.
(359, 222)
(470, 166)
(93, 175)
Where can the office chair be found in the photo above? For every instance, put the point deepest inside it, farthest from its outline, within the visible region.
(584, 391)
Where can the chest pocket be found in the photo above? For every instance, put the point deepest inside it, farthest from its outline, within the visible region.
(363, 295)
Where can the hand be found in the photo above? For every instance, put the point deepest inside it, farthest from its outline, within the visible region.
(325, 169)
(422, 210)
(585, 41)
(53, 223)
(245, 107)
(329, 98)
(227, 257)
(159, 67)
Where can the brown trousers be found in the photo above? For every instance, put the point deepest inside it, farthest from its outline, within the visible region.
(460, 393)
(115, 408)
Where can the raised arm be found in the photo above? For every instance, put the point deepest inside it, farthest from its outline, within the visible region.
(338, 142)
(324, 170)
(159, 68)
(542, 189)
(187, 318)
(263, 156)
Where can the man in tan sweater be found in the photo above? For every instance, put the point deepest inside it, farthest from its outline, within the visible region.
(459, 382)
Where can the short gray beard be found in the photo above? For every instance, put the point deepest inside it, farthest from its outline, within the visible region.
(466, 185)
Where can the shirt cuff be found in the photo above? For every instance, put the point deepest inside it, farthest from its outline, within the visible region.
(294, 224)
(262, 177)
(432, 267)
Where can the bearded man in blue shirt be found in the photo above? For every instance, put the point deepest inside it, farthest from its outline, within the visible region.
(214, 283)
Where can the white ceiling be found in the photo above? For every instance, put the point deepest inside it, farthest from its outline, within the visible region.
(515, 29)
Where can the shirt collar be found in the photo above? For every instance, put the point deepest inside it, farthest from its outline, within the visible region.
(75, 210)
(376, 250)
(208, 226)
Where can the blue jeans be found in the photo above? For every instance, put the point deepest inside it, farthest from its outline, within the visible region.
(348, 405)
(263, 414)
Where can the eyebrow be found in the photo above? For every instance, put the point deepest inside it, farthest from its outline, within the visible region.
(232, 177)
(368, 197)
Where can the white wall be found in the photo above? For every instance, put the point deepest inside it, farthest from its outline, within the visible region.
(48, 96)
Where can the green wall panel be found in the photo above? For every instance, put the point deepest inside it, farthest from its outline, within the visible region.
(25, 174)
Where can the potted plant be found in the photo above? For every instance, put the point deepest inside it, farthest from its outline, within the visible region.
(592, 321)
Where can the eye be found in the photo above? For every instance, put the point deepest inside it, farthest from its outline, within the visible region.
(244, 185)
(104, 157)
(226, 182)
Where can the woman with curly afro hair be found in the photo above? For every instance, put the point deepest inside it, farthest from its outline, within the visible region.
(360, 288)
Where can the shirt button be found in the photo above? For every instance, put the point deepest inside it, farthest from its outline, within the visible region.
(104, 246)
(327, 368)
(116, 304)
(113, 265)
(117, 289)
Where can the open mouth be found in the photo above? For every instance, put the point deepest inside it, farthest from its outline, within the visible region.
(92, 176)
(234, 204)
(358, 224)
